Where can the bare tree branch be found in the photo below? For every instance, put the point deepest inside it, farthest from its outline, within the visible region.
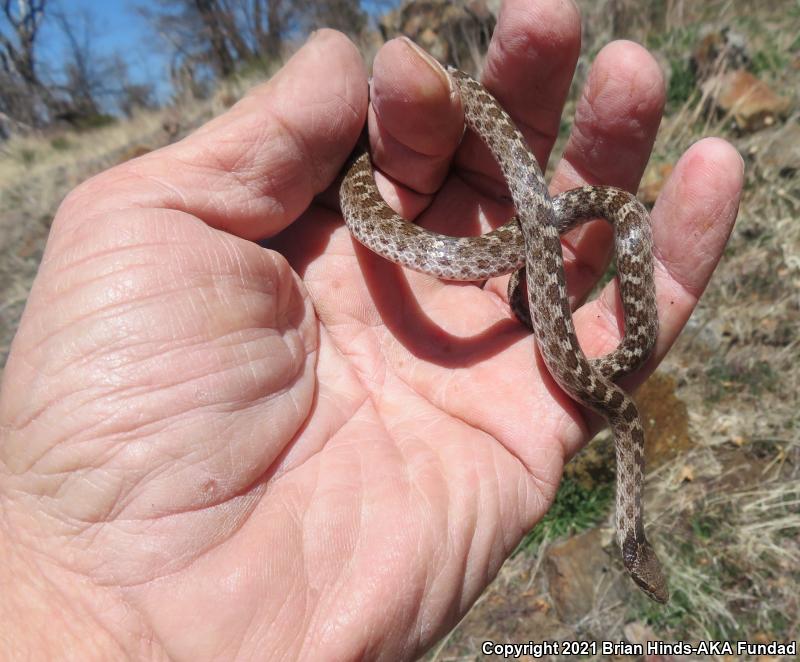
(226, 34)
(23, 94)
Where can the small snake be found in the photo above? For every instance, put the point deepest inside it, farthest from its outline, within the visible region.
(530, 244)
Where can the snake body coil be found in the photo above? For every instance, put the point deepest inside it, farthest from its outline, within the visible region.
(532, 240)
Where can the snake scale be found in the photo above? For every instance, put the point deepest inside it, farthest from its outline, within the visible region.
(530, 244)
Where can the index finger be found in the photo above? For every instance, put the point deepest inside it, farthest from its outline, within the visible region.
(416, 121)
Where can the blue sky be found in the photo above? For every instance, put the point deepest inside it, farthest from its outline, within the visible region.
(118, 28)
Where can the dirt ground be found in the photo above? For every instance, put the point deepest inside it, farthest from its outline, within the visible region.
(724, 450)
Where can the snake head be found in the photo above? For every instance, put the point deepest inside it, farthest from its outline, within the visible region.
(644, 567)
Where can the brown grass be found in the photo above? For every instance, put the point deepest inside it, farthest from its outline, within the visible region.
(731, 534)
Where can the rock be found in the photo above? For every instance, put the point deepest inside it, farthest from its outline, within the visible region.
(665, 419)
(780, 153)
(717, 51)
(666, 427)
(456, 34)
(751, 102)
(578, 572)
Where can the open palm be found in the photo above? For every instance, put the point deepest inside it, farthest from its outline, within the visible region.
(216, 449)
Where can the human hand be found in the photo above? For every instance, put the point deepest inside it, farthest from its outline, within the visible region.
(195, 465)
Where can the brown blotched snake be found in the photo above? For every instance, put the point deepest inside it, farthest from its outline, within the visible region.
(531, 240)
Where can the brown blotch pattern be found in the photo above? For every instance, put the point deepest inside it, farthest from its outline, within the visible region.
(532, 240)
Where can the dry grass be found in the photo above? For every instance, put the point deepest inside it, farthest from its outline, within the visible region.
(725, 515)
(731, 534)
(37, 171)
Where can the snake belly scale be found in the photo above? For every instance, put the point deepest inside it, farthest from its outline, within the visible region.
(530, 244)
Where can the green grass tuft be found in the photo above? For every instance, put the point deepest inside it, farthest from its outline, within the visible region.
(682, 83)
(735, 377)
(576, 508)
(60, 143)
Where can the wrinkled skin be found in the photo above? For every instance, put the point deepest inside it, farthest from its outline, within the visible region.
(214, 449)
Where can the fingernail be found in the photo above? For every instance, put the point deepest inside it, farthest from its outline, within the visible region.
(429, 60)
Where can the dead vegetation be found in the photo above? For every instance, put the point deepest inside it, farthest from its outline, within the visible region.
(726, 512)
